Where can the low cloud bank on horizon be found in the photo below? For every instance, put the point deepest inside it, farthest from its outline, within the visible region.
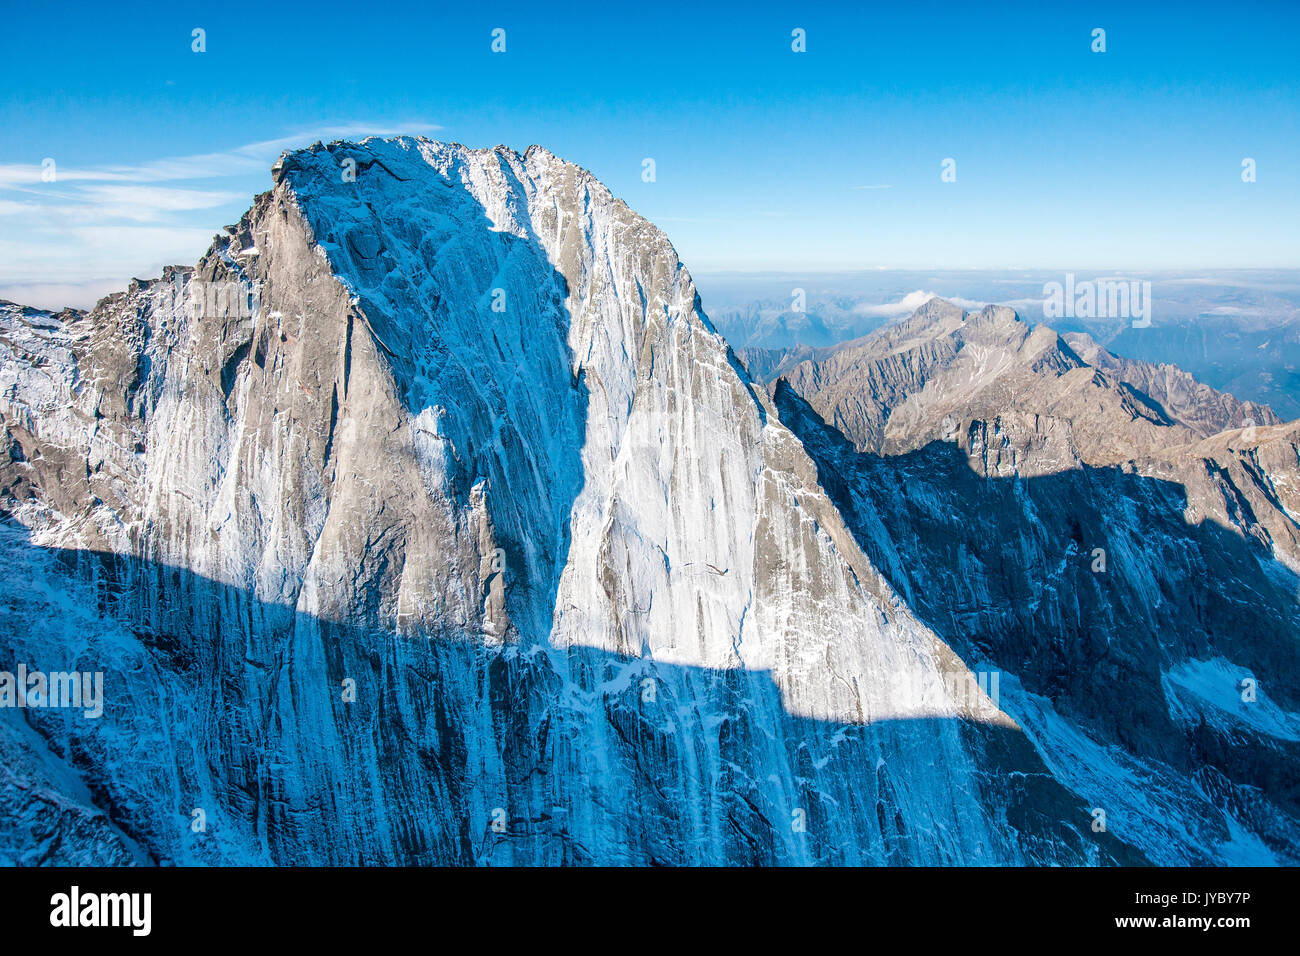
(911, 302)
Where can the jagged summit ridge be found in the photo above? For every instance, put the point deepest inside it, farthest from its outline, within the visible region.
(924, 378)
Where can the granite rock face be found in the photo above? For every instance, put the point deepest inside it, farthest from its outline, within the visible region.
(428, 520)
(1085, 525)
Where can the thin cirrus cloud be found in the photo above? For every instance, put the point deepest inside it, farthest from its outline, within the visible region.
(102, 203)
(92, 228)
(253, 157)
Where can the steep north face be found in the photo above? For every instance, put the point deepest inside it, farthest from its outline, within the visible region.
(467, 541)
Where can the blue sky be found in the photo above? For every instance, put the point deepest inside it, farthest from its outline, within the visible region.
(1065, 158)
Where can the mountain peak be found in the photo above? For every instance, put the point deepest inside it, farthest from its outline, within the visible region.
(448, 428)
(476, 428)
(943, 365)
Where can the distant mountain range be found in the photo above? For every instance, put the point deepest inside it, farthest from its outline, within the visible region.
(1238, 332)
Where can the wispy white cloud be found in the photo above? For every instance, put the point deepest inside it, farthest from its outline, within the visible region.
(160, 198)
(910, 303)
(251, 157)
(130, 220)
(63, 255)
(80, 204)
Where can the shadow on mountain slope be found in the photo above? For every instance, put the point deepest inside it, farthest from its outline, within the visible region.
(1147, 654)
(457, 752)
